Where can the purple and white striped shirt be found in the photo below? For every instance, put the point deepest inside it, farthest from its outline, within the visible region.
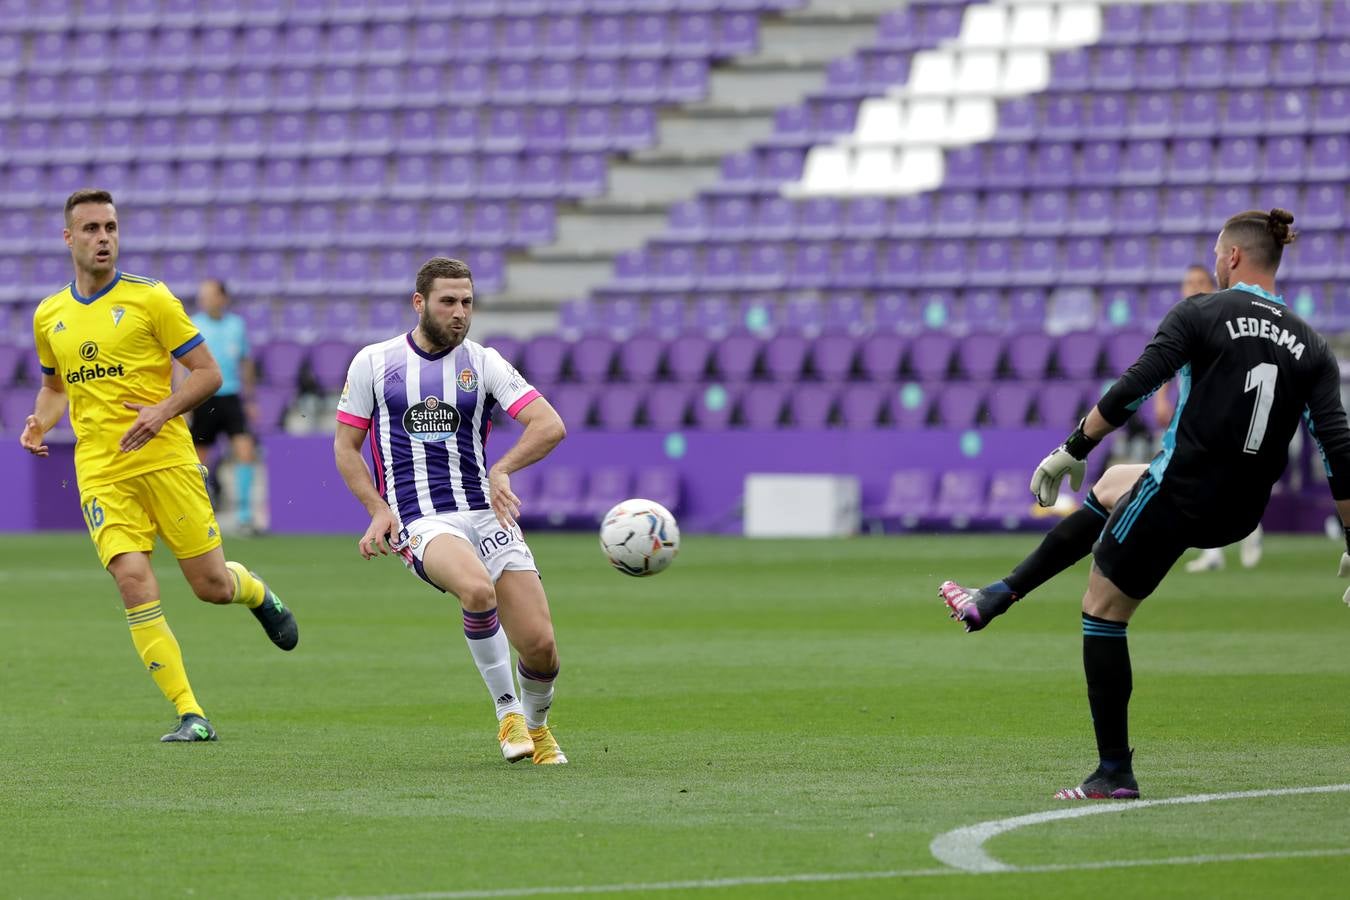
(429, 416)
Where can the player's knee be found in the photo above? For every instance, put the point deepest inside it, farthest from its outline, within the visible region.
(215, 588)
(541, 652)
(479, 597)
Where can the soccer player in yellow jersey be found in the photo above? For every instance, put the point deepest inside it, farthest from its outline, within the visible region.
(106, 343)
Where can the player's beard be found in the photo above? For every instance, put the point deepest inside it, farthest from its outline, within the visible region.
(443, 338)
(1223, 276)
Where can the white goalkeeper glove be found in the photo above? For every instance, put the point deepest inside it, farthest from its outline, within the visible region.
(1068, 459)
(1050, 474)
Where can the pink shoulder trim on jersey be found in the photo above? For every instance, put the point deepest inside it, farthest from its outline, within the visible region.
(514, 409)
(347, 418)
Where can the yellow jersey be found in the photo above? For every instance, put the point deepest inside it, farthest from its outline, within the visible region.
(116, 346)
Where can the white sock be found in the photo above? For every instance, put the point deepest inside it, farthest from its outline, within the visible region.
(492, 654)
(536, 691)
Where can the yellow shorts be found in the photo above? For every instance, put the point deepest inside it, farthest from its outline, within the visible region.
(125, 516)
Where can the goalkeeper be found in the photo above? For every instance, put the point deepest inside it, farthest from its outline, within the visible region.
(1249, 370)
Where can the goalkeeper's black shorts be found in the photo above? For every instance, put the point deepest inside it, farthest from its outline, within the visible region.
(1148, 532)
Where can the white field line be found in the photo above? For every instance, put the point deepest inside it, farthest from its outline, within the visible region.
(962, 850)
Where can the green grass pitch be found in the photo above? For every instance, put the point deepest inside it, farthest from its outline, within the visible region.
(762, 709)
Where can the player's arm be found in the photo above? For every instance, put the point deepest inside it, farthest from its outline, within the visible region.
(202, 381)
(351, 465)
(544, 430)
(1327, 424)
(1165, 354)
(48, 409)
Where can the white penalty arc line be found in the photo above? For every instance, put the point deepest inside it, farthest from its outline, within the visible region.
(963, 848)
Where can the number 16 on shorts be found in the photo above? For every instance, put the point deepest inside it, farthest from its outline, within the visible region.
(93, 514)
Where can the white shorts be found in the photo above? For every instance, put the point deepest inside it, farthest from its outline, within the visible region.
(501, 550)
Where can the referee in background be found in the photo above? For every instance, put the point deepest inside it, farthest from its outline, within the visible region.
(227, 412)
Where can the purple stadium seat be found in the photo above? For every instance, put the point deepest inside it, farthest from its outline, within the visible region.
(930, 356)
(832, 357)
(909, 497)
(785, 357)
(978, 355)
(1077, 354)
(592, 358)
(328, 363)
(1323, 207)
(1009, 404)
(559, 496)
(879, 357)
(737, 356)
(667, 405)
(617, 406)
(1091, 212)
(810, 405)
(761, 405)
(862, 406)
(960, 497)
(639, 358)
(1060, 404)
(606, 487)
(1197, 114)
(1300, 19)
(911, 405)
(543, 358)
(1029, 355)
(272, 402)
(713, 405)
(1328, 158)
(688, 357)
(280, 362)
(574, 403)
(1009, 503)
(1183, 209)
(1332, 111)
(958, 405)
(659, 483)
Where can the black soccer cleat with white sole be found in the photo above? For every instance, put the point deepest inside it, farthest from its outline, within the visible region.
(276, 619)
(1104, 784)
(974, 608)
(191, 728)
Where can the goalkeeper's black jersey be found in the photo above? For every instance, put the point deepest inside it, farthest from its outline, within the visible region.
(1248, 369)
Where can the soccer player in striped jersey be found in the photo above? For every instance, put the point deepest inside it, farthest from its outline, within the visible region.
(1250, 369)
(106, 342)
(423, 401)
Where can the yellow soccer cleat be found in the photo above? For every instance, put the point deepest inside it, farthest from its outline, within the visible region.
(546, 749)
(514, 738)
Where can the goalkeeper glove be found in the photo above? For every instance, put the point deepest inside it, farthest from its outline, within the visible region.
(1067, 459)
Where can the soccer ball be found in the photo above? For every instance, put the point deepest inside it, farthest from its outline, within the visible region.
(639, 537)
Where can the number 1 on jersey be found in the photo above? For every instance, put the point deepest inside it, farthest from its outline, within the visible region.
(1262, 378)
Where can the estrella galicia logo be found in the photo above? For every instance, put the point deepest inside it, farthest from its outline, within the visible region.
(468, 380)
(431, 420)
(88, 351)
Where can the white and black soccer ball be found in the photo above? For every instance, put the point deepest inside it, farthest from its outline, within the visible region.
(639, 537)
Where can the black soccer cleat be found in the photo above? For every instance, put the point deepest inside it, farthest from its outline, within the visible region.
(276, 619)
(191, 728)
(974, 607)
(1104, 784)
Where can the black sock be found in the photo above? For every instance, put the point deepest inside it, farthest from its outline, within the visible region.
(1106, 663)
(1062, 546)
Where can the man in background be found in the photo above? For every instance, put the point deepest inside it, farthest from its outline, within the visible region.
(227, 411)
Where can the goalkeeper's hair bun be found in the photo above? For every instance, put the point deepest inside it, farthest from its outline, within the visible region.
(1279, 222)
